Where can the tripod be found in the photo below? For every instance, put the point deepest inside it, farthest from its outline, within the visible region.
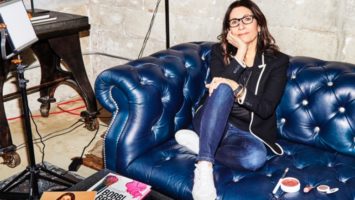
(33, 172)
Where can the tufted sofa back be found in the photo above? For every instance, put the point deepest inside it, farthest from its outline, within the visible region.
(318, 105)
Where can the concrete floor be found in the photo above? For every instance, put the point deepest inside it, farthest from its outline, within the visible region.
(61, 144)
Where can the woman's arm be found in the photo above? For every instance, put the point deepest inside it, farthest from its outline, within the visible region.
(219, 69)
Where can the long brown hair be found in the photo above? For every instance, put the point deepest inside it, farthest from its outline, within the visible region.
(72, 195)
(266, 43)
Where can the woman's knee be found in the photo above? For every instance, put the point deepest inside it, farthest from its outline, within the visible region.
(223, 89)
(254, 161)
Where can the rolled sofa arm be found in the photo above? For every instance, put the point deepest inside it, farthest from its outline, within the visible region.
(150, 98)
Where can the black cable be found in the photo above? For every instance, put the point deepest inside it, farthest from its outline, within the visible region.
(46, 137)
(40, 137)
(92, 139)
(20, 146)
(74, 166)
(76, 163)
(108, 55)
(149, 29)
(54, 136)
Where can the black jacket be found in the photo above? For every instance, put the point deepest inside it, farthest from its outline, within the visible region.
(262, 100)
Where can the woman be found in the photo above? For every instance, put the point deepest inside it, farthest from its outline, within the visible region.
(237, 120)
(67, 196)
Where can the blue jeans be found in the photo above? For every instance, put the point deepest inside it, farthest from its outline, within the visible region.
(222, 141)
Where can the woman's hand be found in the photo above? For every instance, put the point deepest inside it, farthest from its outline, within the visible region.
(217, 81)
(239, 44)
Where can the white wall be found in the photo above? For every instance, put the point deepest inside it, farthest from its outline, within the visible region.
(317, 28)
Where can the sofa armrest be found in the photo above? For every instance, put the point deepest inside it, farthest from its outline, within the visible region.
(143, 114)
(150, 98)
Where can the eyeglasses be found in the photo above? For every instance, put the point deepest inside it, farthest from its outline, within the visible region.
(248, 19)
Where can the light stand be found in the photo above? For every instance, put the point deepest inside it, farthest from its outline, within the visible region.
(10, 31)
(33, 171)
(167, 29)
(32, 8)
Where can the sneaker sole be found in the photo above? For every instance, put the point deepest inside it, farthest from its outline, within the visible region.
(188, 139)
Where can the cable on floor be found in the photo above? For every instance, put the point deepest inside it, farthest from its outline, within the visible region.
(40, 138)
(78, 161)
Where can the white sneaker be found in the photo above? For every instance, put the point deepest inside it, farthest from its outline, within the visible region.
(204, 188)
(188, 139)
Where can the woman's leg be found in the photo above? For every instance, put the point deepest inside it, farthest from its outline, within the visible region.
(241, 150)
(210, 122)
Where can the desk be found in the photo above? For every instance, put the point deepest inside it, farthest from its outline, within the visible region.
(59, 42)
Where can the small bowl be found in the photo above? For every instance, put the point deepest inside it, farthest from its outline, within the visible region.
(290, 184)
(323, 188)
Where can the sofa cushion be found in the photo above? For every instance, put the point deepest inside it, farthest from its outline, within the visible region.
(169, 168)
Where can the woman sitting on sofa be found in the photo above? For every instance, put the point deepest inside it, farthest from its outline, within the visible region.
(237, 121)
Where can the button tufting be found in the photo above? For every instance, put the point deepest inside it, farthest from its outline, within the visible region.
(293, 77)
(236, 179)
(305, 102)
(330, 83)
(343, 180)
(316, 129)
(341, 109)
(168, 76)
(283, 120)
(142, 82)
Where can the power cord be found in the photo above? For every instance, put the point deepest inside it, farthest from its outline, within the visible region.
(149, 29)
(55, 132)
(106, 54)
(40, 137)
(35, 141)
(78, 161)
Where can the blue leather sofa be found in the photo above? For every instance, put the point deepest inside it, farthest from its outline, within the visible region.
(153, 97)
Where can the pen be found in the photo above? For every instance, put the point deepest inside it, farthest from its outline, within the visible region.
(279, 182)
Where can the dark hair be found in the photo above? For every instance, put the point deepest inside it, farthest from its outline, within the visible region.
(72, 195)
(265, 43)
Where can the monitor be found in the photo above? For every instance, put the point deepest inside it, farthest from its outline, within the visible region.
(19, 30)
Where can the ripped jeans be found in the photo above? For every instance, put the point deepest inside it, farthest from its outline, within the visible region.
(222, 141)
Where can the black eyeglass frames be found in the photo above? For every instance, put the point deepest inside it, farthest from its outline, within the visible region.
(247, 19)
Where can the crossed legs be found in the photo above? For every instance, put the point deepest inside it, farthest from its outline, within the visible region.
(219, 140)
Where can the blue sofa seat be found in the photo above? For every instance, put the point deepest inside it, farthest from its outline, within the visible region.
(153, 97)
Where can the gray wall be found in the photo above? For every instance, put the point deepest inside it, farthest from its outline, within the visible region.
(316, 28)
